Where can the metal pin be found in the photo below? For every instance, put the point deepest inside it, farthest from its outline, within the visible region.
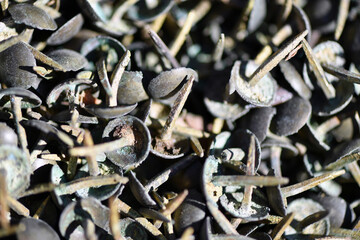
(220, 218)
(342, 73)
(196, 146)
(129, 211)
(4, 208)
(75, 185)
(114, 220)
(274, 59)
(341, 18)
(355, 171)
(180, 38)
(310, 183)
(342, 162)
(327, 88)
(116, 77)
(176, 109)
(279, 229)
(89, 229)
(162, 48)
(121, 10)
(41, 208)
(286, 10)
(250, 170)
(241, 34)
(102, 73)
(276, 40)
(219, 48)
(44, 59)
(16, 108)
(248, 180)
(98, 148)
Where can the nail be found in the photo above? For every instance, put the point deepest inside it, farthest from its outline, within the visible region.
(276, 40)
(98, 148)
(44, 59)
(220, 218)
(158, 22)
(176, 109)
(241, 180)
(279, 229)
(89, 229)
(342, 162)
(127, 210)
(285, 11)
(162, 48)
(16, 107)
(275, 153)
(121, 10)
(41, 208)
(219, 48)
(91, 181)
(91, 159)
(242, 33)
(4, 210)
(341, 18)
(274, 59)
(114, 220)
(250, 170)
(326, 87)
(342, 73)
(181, 36)
(102, 73)
(355, 171)
(171, 206)
(327, 126)
(75, 185)
(218, 125)
(297, 188)
(116, 77)
(196, 146)
(4, 5)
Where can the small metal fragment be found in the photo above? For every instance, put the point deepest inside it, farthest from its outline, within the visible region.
(279, 230)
